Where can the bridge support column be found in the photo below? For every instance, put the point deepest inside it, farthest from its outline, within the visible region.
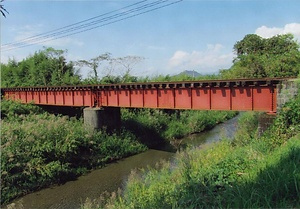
(97, 118)
(264, 122)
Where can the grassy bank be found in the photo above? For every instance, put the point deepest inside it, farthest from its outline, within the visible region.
(163, 125)
(42, 149)
(247, 172)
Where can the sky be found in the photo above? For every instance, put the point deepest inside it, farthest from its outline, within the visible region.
(186, 35)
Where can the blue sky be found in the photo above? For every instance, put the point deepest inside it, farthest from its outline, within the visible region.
(189, 35)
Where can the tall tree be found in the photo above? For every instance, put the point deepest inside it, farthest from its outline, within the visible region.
(94, 63)
(125, 66)
(258, 57)
(45, 67)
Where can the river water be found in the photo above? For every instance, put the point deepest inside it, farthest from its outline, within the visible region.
(73, 194)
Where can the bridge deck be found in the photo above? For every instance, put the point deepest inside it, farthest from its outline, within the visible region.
(240, 95)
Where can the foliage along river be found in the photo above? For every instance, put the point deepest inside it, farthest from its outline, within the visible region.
(74, 193)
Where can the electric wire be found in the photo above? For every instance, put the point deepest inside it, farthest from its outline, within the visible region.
(58, 29)
(78, 27)
(50, 37)
(91, 23)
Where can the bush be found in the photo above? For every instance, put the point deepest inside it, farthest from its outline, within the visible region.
(150, 124)
(11, 108)
(39, 150)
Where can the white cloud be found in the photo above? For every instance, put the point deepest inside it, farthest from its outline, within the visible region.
(266, 32)
(208, 61)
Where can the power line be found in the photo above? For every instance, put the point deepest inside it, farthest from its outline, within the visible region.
(61, 34)
(65, 31)
(58, 29)
(78, 27)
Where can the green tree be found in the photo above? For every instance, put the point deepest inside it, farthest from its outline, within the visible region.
(258, 57)
(43, 68)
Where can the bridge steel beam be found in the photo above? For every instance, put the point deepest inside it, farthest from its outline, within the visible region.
(237, 95)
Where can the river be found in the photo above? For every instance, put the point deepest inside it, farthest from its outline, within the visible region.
(73, 194)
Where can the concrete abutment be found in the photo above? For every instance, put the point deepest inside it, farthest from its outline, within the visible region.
(264, 122)
(286, 90)
(98, 118)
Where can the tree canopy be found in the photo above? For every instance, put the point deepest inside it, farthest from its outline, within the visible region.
(45, 67)
(258, 57)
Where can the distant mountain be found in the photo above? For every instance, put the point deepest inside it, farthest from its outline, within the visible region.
(190, 73)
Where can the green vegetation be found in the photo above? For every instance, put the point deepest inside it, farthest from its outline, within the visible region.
(44, 68)
(11, 108)
(247, 172)
(41, 149)
(257, 57)
(161, 125)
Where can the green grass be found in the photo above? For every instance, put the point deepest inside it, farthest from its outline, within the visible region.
(39, 150)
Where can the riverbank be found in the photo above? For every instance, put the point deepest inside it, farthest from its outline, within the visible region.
(40, 149)
(246, 172)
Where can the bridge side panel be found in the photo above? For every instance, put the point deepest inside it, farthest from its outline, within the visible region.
(51, 98)
(23, 96)
(263, 98)
(166, 98)
(137, 98)
(102, 98)
(201, 99)
(183, 98)
(150, 98)
(220, 98)
(36, 97)
(68, 98)
(43, 97)
(88, 98)
(242, 98)
(124, 98)
(29, 96)
(112, 98)
(59, 97)
(78, 99)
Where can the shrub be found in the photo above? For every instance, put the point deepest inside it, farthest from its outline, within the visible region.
(11, 108)
(39, 150)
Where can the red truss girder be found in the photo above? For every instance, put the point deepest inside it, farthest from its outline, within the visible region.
(239, 95)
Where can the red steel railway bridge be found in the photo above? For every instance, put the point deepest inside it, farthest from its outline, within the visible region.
(237, 95)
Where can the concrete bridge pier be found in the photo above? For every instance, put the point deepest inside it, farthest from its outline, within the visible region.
(98, 118)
